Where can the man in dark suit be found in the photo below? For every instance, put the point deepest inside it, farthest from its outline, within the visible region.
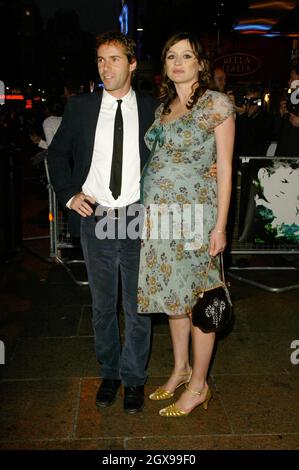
(95, 161)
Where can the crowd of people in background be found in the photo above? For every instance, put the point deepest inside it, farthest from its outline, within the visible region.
(208, 109)
(256, 126)
(259, 131)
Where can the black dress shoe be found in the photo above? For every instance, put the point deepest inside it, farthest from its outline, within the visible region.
(107, 392)
(134, 399)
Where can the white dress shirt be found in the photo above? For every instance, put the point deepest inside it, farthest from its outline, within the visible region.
(98, 178)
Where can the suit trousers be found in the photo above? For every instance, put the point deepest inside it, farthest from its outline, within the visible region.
(107, 260)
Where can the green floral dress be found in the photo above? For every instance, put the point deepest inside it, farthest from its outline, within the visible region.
(173, 262)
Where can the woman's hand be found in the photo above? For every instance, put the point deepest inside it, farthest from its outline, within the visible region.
(217, 242)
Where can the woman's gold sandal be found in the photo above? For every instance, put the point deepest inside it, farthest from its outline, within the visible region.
(172, 411)
(162, 394)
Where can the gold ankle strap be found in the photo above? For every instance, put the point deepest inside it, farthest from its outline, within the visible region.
(193, 391)
(187, 373)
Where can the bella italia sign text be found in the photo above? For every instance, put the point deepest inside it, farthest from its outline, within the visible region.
(238, 64)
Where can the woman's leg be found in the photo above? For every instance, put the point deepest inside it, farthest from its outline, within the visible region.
(180, 336)
(202, 346)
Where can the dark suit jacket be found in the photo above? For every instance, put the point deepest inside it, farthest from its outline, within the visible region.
(70, 153)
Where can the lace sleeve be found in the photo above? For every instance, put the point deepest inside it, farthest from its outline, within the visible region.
(222, 108)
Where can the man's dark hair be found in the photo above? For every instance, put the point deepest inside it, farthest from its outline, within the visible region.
(254, 88)
(115, 37)
(54, 105)
(73, 85)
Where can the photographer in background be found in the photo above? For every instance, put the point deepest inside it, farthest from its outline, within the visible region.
(219, 79)
(288, 121)
(254, 125)
(254, 132)
(219, 83)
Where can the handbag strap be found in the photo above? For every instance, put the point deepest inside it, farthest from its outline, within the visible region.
(209, 267)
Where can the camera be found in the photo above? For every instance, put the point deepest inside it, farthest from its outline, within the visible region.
(235, 91)
(292, 102)
(252, 101)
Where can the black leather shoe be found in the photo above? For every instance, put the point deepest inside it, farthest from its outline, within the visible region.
(107, 392)
(134, 399)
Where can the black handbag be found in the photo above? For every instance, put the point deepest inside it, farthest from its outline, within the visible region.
(213, 309)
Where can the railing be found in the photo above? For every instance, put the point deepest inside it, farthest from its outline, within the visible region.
(264, 218)
(60, 237)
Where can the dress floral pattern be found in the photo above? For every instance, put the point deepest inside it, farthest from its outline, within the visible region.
(173, 269)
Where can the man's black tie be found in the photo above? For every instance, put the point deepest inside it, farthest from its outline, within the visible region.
(117, 155)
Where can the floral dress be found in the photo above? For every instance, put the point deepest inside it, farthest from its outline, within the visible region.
(176, 188)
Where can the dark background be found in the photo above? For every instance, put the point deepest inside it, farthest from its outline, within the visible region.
(44, 42)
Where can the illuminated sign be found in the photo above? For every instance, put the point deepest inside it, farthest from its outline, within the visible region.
(124, 19)
(2, 92)
(11, 97)
(238, 64)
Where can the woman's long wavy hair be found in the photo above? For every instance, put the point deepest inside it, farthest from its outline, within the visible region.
(167, 89)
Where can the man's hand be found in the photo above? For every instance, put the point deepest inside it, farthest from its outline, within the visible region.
(80, 205)
(213, 171)
(35, 138)
(294, 120)
(283, 108)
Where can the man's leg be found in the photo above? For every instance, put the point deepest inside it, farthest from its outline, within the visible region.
(136, 346)
(102, 263)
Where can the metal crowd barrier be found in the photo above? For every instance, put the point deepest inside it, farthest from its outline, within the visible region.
(284, 173)
(60, 238)
(242, 243)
